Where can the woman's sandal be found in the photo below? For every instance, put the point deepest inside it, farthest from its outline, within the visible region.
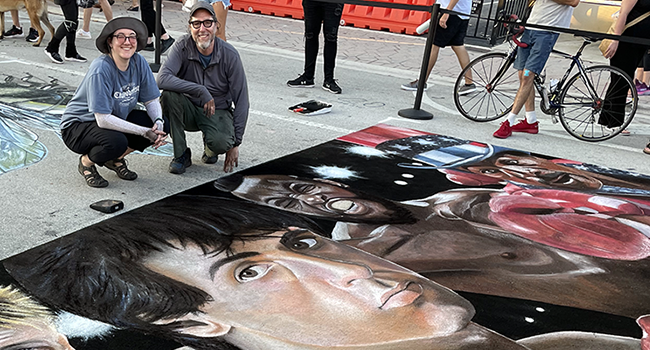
(121, 170)
(646, 150)
(134, 8)
(93, 179)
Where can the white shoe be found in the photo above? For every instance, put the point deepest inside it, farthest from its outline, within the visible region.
(82, 34)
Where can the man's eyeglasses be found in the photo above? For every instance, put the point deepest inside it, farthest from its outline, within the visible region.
(121, 38)
(197, 24)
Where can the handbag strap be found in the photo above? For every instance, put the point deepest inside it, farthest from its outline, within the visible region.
(637, 20)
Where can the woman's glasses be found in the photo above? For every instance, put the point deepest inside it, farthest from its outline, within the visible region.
(121, 38)
(197, 24)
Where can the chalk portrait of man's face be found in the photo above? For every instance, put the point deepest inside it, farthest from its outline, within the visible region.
(536, 171)
(295, 286)
(310, 197)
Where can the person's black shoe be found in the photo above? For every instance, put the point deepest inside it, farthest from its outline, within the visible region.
(166, 44)
(301, 81)
(76, 58)
(14, 32)
(332, 86)
(149, 47)
(33, 35)
(121, 170)
(209, 159)
(178, 165)
(54, 56)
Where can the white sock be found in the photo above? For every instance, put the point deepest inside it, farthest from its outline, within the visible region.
(512, 118)
(531, 117)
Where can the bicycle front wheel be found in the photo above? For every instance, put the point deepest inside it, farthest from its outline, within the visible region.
(496, 87)
(581, 113)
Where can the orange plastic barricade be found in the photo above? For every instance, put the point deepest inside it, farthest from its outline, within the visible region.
(387, 19)
(278, 8)
(377, 18)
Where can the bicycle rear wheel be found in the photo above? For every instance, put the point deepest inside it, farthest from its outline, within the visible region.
(494, 95)
(580, 113)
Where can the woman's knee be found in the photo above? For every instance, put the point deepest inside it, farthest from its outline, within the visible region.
(108, 150)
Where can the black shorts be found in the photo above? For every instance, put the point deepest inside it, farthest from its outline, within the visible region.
(454, 34)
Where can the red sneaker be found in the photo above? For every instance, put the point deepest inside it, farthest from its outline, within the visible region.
(504, 131)
(523, 126)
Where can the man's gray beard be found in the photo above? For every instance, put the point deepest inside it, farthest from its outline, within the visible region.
(204, 45)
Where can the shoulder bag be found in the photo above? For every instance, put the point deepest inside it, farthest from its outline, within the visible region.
(605, 43)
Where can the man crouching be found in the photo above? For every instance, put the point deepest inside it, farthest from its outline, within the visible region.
(201, 80)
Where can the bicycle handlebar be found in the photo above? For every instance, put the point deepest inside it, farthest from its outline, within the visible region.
(513, 26)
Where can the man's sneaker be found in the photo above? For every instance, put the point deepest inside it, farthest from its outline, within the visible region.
(332, 86)
(82, 34)
(504, 131)
(33, 35)
(178, 165)
(166, 44)
(14, 32)
(413, 86)
(467, 89)
(54, 56)
(208, 156)
(205, 158)
(301, 81)
(523, 126)
(76, 58)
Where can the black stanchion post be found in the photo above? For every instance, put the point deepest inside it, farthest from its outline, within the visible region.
(155, 67)
(416, 112)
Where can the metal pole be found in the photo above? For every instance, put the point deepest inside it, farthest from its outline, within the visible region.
(416, 112)
(155, 67)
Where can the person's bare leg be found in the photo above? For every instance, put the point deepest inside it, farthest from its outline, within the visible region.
(88, 13)
(638, 74)
(526, 93)
(128, 151)
(86, 161)
(432, 60)
(107, 9)
(222, 15)
(463, 60)
(15, 18)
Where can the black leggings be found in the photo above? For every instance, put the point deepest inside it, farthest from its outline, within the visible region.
(626, 58)
(67, 30)
(148, 15)
(328, 15)
(102, 145)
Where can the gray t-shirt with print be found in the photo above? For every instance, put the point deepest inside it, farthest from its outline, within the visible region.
(107, 90)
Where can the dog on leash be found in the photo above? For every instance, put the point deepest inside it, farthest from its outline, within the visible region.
(37, 11)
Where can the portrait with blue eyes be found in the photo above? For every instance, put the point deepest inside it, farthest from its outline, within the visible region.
(213, 272)
(279, 256)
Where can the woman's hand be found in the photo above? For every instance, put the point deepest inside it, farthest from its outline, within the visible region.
(156, 136)
(611, 49)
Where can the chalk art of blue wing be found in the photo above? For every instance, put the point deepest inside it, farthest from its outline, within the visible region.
(31, 103)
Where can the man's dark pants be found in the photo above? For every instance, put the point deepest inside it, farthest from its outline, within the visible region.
(218, 130)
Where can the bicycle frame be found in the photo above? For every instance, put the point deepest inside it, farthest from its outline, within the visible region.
(550, 105)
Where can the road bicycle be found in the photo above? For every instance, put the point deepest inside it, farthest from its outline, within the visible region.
(577, 101)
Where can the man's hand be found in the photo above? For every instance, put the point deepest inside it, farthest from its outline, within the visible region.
(232, 159)
(443, 20)
(208, 108)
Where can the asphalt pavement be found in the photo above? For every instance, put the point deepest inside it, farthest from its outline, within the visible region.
(49, 199)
